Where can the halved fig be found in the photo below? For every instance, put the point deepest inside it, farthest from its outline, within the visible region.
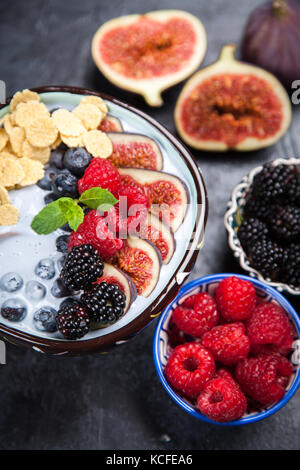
(151, 52)
(114, 275)
(167, 193)
(141, 261)
(110, 124)
(138, 151)
(232, 105)
(159, 233)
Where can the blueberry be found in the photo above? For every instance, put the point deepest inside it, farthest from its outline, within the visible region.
(14, 309)
(35, 290)
(68, 301)
(50, 197)
(77, 160)
(59, 289)
(57, 156)
(62, 243)
(44, 319)
(45, 269)
(61, 261)
(66, 228)
(65, 184)
(11, 282)
(50, 173)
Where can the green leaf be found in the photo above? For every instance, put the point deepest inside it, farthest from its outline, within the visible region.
(77, 218)
(49, 219)
(98, 198)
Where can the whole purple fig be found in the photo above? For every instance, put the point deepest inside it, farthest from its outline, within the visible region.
(272, 37)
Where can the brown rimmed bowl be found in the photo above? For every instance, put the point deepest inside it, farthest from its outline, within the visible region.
(189, 238)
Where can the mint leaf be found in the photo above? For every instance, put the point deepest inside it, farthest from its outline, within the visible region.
(76, 217)
(98, 198)
(73, 212)
(49, 219)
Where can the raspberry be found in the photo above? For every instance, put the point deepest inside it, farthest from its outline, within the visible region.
(264, 378)
(226, 375)
(188, 369)
(94, 231)
(101, 173)
(176, 336)
(235, 298)
(130, 213)
(228, 343)
(222, 401)
(270, 330)
(196, 315)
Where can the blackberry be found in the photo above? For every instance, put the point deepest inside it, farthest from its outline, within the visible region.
(259, 208)
(83, 266)
(285, 222)
(267, 257)
(291, 273)
(271, 182)
(105, 303)
(250, 231)
(73, 321)
(293, 191)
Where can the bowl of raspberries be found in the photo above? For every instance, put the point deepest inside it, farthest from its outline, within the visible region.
(263, 224)
(225, 349)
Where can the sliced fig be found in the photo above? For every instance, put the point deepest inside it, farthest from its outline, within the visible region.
(167, 193)
(232, 105)
(141, 261)
(112, 274)
(151, 52)
(138, 151)
(159, 233)
(111, 124)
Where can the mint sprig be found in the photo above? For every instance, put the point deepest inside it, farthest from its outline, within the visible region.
(67, 210)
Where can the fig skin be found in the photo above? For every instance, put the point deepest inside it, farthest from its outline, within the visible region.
(271, 39)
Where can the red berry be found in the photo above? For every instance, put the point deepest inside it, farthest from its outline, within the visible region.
(95, 232)
(100, 173)
(130, 213)
(228, 343)
(226, 375)
(188, 369)
(270, 330)
(235, 298)
(222, 401)
(264, 378)
(196, 315)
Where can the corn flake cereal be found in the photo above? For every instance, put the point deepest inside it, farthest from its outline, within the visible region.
(3, 138)
(73, 142)
(33, 171)
(8, 124)
(98, 144)
(23, 97)
(17, 138)
(26, 112)
(9, 214)
(97, 101)
(42, 154)
(41, 132)
(67, 123)
(89, 115)
(4, 197)
(11, 172)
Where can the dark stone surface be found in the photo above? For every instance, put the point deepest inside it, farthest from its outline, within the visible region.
(116, 401)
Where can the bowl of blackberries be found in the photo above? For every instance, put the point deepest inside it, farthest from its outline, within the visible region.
(263, 224)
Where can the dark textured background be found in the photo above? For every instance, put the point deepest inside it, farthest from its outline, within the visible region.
(116, 401)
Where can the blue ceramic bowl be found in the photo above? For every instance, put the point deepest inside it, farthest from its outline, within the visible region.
(162, 349)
